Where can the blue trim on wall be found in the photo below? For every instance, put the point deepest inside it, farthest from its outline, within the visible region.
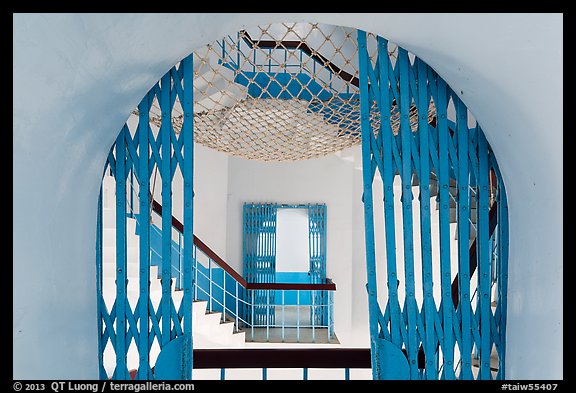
(290, 298)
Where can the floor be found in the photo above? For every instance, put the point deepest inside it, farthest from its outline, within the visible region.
(291, 317)
(290, 335)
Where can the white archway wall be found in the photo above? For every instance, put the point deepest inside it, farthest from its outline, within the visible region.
(77, 77)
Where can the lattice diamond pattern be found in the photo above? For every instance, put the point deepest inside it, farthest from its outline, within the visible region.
(286, 91)
(135, 323)
(464, 330)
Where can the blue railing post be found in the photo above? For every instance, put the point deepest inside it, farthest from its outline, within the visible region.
(210, 286)
(223, 295)
(238, 50)
(283, 315)
(313, 294)
(252, 312)
(298, 315)
(264, 374)
(269, 60)
(305, 374)
(222, 374)
(268, 315)
(195, 273)
(180, 268)
(332, 308)
(329, 321)
(237, 311)
(347, 374)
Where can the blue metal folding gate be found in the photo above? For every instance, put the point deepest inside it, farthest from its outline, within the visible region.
(121, 325)
(317, 247)
(259, 233)
(456, 159)
(260, 259)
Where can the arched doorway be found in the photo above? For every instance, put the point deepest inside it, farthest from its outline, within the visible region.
(392, 103)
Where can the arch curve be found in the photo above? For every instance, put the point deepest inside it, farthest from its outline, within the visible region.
(41, 159)
(410, 124)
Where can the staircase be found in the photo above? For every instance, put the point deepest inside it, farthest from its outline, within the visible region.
(353, 156)
(212, 83)
(210, 329)
(260, 79)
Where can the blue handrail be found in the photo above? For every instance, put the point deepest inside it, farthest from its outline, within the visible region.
(227, 292)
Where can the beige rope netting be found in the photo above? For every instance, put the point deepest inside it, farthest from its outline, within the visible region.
(285, 91)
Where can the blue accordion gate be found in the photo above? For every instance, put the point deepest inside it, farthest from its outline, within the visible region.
(450, 324)
(131, 317)
(462, 333)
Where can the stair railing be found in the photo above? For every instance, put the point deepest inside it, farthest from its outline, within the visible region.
(226, 291)
(320, 64)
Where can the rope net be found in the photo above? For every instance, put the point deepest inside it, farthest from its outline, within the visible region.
(287, 91)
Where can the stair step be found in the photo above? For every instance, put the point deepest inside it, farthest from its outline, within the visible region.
(199, 307)
(493, 360)
(433, 189)
(472, 233)
(211, 323)
(215, 89)
(132, 254)
(453, 213)
(133, 285)
(109, 219)
(210, 326)
(227, 326)
(215, 330)
(416, 181)
(109, 270)
(218, 331)
(109, 234)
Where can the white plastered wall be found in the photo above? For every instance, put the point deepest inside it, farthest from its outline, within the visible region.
(322, 180)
